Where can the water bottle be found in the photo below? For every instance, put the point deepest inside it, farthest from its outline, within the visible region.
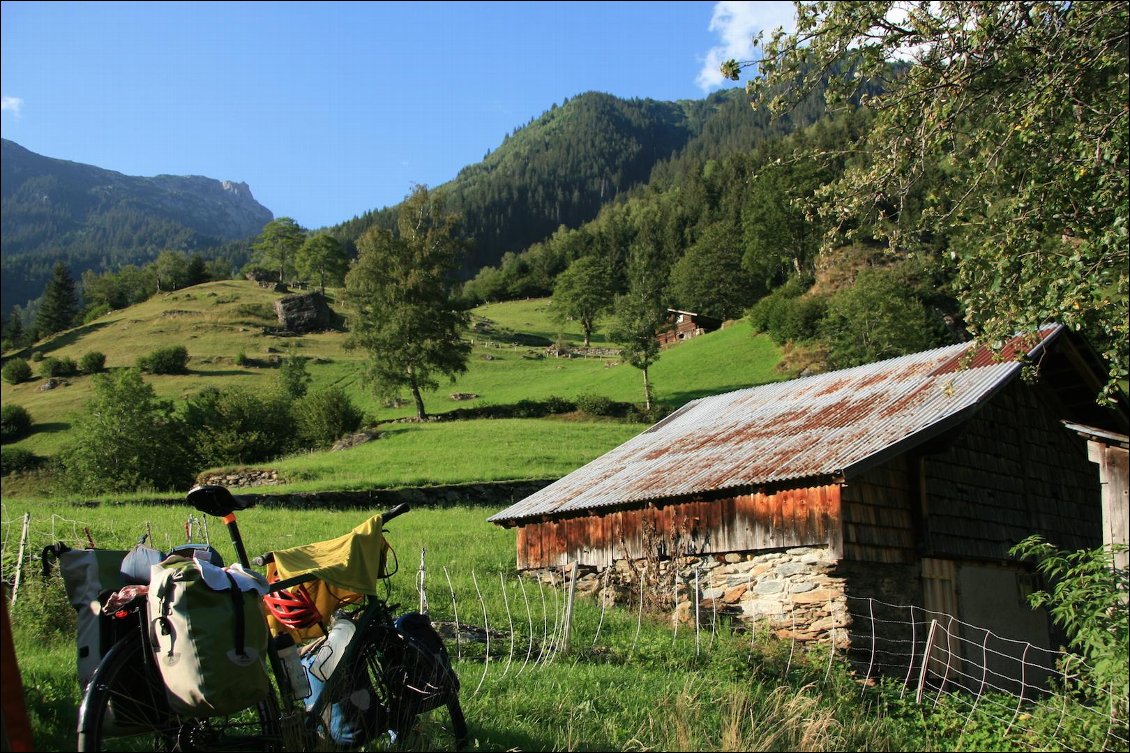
(333, 647)
(292, 666)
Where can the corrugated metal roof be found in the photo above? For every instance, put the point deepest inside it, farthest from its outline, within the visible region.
(814, 427)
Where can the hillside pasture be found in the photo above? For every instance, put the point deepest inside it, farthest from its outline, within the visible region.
(219, 321)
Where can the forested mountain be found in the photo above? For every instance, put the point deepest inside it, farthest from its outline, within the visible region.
(562, 167)
(91, 218)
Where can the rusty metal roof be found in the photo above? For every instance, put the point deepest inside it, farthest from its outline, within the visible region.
(818, 427)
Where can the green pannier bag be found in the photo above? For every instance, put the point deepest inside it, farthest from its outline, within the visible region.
(209, 635)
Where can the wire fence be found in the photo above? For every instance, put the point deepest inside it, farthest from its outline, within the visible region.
(516, 624)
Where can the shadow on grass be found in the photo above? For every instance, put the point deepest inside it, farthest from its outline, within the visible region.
(50, 427)
(220, 372)
(69, 337)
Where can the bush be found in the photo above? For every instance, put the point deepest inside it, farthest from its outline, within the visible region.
(15, 371)
(95, 311)
(293, 379)
(596, 405)
(57, 367)
(92, 362)
(15, 422)
(18, 460)
(1087, 598)
(125, 439)
(170, 360)
(236, 426)
(323, 417)
(37, 356)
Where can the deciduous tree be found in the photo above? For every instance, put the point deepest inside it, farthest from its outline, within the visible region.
(583, 292)
(399, 296)
(1022, 106)
(641, 314)
(322, 257)
(277, 245)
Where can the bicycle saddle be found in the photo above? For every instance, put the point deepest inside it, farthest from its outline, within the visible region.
(212, 499)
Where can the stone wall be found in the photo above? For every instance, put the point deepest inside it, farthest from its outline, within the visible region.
(794, 593)
(497, 493)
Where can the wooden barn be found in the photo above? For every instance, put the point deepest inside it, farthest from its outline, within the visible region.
(683, 325)
(906, 481)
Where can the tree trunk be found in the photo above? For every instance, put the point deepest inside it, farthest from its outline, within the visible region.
(646, 391)
(420, 414)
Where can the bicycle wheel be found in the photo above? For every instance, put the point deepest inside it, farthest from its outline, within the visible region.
(125, 709)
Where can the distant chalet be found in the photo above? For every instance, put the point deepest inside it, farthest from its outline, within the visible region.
(683, 325)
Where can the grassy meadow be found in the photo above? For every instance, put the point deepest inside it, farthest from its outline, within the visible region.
(219, 322)
(628, 681)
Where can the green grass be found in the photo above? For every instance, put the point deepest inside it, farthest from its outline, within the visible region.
(626, 685)
(450, 453)
(218, 321)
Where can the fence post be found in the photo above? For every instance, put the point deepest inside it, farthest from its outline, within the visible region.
(569, 608)
(926, 660)
(20, 556)
(421, 582)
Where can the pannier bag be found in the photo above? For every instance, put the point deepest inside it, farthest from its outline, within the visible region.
(208, 634)
(420, 665)
(86, 574)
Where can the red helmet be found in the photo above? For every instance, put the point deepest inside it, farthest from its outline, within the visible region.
(293, 608)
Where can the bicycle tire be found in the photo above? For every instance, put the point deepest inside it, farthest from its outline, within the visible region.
(125, 708)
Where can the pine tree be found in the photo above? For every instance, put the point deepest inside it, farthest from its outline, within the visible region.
(59, 308)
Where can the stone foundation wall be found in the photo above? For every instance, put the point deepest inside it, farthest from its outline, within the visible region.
(794, 593)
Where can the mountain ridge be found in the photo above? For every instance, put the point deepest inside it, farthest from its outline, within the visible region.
(94, 218)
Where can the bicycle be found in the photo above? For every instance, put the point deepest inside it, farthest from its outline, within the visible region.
(393, 671)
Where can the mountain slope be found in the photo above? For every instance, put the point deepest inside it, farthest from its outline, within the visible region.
(92, 218)
(562, 167)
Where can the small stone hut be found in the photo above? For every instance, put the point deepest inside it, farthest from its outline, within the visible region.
(906, 481)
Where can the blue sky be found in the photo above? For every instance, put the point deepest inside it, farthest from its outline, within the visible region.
(328, 110)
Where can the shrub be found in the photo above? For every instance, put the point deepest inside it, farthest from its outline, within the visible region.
(16, 370)
(170, 360)
(125, 439)
(596, 405)
(37, 356)
(57, 367)
(241, 359)
(92, 362)
(1087, 598)
(236, 426)
(15, 422)
(322, 417)
(95, 311)
(18, 460)
(293, 379)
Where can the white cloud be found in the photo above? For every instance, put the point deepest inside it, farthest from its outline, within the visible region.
(11, 104)
(736, 24)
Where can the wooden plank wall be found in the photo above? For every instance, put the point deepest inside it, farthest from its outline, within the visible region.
(878, 514)
(1013, 471)
(741, 523)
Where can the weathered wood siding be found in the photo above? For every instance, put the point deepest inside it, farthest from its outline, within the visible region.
(878, 514)
(741, 523)
(1013, 471)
